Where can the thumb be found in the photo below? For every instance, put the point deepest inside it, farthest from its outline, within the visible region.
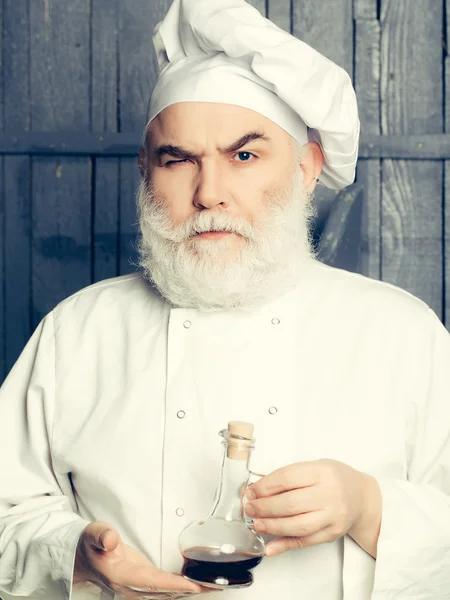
(102, 536)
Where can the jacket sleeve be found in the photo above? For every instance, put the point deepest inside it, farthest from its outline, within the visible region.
(413, 555)
(39, 528)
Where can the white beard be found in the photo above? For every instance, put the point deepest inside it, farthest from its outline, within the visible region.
(217, 274)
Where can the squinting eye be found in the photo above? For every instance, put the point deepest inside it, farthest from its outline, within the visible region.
(174, 162)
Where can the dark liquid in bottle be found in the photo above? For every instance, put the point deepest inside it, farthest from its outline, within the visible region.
(221, 569)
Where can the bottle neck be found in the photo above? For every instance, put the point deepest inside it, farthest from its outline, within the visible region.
(231, 489)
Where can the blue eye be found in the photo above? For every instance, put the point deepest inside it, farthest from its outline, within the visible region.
(243, 152)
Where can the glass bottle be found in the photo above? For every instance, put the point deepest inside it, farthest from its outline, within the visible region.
(221, 549)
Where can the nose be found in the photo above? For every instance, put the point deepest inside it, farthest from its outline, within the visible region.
(210, 192)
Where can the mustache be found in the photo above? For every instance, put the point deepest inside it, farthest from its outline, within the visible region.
(154, 219)
(154, 211)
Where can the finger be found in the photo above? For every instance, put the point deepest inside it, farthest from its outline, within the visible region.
(286, 504)
(157, 595)
(297, 475)
(161, 595)
(100, 535)
(158, 581)
(283, 544)
(300, 525)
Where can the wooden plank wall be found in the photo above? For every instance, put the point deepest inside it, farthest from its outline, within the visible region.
(412, 102)
(16, 187)
(367, 86)
(88, 66)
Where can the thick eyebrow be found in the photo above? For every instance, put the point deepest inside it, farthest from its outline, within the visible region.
(180, 152)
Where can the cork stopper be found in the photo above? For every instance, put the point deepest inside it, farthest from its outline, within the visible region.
(239, 449)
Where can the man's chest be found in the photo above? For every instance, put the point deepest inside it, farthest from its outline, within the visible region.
(153, 425)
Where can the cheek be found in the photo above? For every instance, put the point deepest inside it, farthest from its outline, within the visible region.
(179, 211)
(177, 202)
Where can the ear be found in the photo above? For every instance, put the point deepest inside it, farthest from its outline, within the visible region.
(142, 162)
(311, 164)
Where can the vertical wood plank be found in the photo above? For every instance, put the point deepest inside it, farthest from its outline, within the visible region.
(279, 12)
(446, 205)
(61, 241)
(327, 26)
(260, 5)
(16, 182)
(138, 74)
(60, 92)
(2, 215)
(104, 65)
(129, 181)
(367, 86)
(2, 275)
(18, 326)
(105, 118)
(106, 219)
(365, 9)
(60, 69)
(446, 211)
(412, 95)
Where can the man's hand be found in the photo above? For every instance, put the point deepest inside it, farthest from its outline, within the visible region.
(126, 571)
(315, 502)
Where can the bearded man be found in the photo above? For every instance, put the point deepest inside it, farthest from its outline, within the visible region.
(110, 415)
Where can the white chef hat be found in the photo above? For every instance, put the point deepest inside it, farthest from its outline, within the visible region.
(226, 51)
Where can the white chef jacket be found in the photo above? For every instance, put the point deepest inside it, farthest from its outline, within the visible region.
(113, 408)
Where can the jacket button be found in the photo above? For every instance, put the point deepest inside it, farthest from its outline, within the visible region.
(187, 324)
(273, 410)
(181, 414)
(275, 321)
(179, 512)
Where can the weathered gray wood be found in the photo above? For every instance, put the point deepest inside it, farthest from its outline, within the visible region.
(138, 75)
(129, 181)
(446, 232)
(16, 182)
(59, 65)
(411, 92)
(47, 143)
(60, 74)
(61, 231)
(327, 26)
(365, 9)
(2, 274)
(138, 65)
(104, 66)
(367, 86)
(340, 238)
(279, 12)
(106, 219)
(1, 63)
(2, 215)
(17, 239)
(259, 5)
(61, 87)
(36, 143)
(416, 147)
(105, 119)
(15, 65)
